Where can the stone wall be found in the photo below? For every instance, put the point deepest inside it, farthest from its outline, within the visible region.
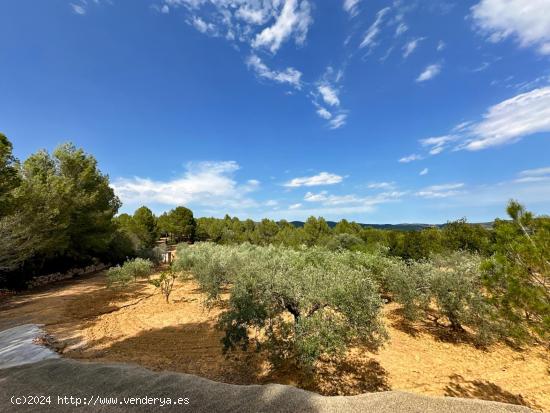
(51, 278)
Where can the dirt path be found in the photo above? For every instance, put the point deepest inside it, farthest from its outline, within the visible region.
(92, 322)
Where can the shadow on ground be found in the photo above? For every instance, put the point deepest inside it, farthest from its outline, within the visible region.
(484, 390)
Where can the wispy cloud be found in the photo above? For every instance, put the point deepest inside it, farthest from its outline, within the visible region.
(329, 94)
(438, 144)
(290, 75)
(401, 28)
(370, 37)
(429, 73)
(525, 20)
(424, 172)
(410, 158)
(325, 114)
(411, 46)
(351, 7)
(323, 178)
(534, 175)
(511, 120)
(294, 20)
(441, 191)
(78, 9)
(210, 184)
(504, 123)
(338, 121)
(381, 185)
(326, 98)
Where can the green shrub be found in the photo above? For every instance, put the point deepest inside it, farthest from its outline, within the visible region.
(131, 270)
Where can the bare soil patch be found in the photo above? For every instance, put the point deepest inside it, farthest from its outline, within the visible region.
(90, 321)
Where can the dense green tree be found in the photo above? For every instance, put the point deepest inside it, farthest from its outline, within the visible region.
(9, 175)
(316, 231)
(179, 223)
(64, 215)
(460, 235)
(144, 226)
(345, 227)
(76, 198)
(518, 275)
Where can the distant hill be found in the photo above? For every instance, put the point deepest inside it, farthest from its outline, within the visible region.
(397, 227)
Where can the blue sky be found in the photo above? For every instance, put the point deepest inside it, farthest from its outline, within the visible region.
(376, 111)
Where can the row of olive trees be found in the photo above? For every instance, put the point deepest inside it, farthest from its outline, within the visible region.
(312, 301)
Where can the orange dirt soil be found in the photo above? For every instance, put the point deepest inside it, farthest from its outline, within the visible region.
(89, 321)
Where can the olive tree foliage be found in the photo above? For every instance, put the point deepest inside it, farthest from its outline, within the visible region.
(308, 302)
(448, 287)
(517, 276)
(129, 271)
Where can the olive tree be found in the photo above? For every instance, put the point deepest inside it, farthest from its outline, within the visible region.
(165, 282)
(308, 302)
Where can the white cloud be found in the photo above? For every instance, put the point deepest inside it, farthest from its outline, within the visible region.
(295, 206)
(528, 21)
(78, 9)
(325, 114)
(411, 46)
(441, 46)
(329, 94)
(402, 28)
(410, 158)
(429, 73)
(295, 19)
(165, 9)
(536, 172)
(438, 144)
(324, 178)
(205, 183)
(534, 175)
(289, 75)
(271, 203)
(424, 172)
(352, 199)
(244, 20)
(441, 191)
(204, 27)
(311, 197)
(350, 6)
(370, 36)
(511, 120)
(251, 15)
(338, 121)
(326, 93)
(381, 185)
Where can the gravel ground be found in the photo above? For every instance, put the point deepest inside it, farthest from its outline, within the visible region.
(63, 377)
